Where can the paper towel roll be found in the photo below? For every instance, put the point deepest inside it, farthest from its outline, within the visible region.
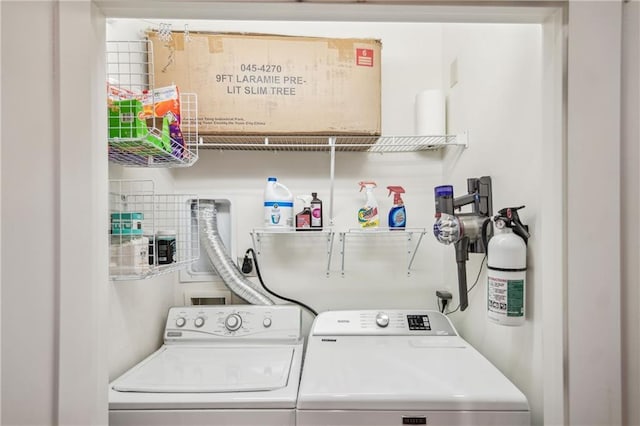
(430, 111)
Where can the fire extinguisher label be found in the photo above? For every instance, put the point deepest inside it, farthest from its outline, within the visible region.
(506, 297)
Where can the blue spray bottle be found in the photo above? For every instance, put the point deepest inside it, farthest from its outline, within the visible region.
(398, 213)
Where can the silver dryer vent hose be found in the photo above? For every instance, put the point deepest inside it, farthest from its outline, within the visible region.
(222, 262)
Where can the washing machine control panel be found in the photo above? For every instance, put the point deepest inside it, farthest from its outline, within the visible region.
(383, 322)
(213, 323)
(418, 322)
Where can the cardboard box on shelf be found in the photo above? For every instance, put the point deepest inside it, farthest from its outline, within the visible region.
(275, 85)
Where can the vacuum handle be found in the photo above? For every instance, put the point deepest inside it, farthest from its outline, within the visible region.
(462, 254)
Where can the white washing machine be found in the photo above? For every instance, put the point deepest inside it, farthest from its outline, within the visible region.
(400, 367)
(226, 365)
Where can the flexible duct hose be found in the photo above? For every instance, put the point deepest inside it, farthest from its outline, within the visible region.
(222, 262)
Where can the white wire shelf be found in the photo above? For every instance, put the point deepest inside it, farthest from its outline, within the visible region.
(148, 126)
(291, 231)
(412, 237)
(408, 234)
(150, 234)
(327, 234)
(378, 144)
(382, 230)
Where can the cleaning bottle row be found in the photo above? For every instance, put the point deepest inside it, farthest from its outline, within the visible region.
(278, 208)
(368, 216)
(279, 203)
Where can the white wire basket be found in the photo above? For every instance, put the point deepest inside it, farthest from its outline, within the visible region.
(150, 234)
(148, 126)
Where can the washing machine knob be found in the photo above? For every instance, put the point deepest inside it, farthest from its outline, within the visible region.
(233, 322)
(180, 321)
(266, 322)
(199, 322)
(382, 320)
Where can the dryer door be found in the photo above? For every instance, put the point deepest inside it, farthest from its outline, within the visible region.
(195, 369)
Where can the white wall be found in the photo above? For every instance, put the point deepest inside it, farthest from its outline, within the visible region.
(53, 202)
(0, 220)
(551, 233)
(499, 98)
(630, 155)
(593, 198)
(29, 218)
(80, 210)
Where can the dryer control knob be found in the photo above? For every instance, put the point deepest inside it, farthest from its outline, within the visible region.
(199, 322)
(233, 322)
(382, 320)
(180, 322)
(266, 322)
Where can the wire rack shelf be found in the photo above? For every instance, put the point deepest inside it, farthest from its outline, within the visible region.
(148, 126)
(376, 144)
(150, 234)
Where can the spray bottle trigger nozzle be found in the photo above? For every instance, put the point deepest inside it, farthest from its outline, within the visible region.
(397, 190)
(367, 185)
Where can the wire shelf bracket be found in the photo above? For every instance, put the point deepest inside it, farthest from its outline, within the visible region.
(259, 234)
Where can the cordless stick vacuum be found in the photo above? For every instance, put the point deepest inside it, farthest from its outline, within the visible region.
(464, 230)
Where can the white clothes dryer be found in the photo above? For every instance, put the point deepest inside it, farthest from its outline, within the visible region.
(228, 365)
(400, 367)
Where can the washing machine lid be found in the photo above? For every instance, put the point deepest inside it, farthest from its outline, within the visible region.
(402, 373)
(209, 369)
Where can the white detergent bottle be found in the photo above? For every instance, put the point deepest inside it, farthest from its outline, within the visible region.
(278, 204)
(368, 214)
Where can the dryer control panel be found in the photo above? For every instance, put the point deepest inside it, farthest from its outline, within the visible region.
(246, 322)
(383, 323)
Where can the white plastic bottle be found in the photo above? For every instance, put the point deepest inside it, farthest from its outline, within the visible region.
(278, 204)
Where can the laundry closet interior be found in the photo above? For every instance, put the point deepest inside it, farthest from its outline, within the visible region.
(499, 70)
